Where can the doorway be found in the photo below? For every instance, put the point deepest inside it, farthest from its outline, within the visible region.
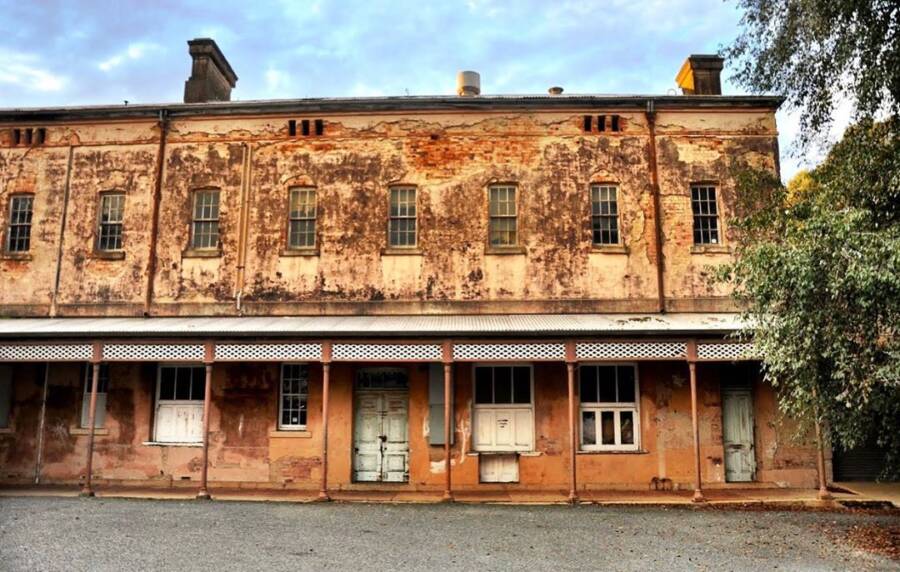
(381, 426)
(737, 433)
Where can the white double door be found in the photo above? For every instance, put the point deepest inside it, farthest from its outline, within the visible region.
(381, 436)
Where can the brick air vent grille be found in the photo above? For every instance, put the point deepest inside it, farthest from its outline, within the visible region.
(64, 352)
(386, 352)
(603, 124)
(509, 352)
(630, 350)
(268, 352)
(27, 137)
(727, 352)
(315, 127)
(153, 352)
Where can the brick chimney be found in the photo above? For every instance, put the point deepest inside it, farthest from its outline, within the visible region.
(701, 75)
(211, 75)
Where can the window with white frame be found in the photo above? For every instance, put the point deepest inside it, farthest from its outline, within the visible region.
(706, 214)
(205, 223)
(402, 220)
(610, 419)
(302, 218)
(503, 408)
(604, 214)
(503, 224)
(111, 221)
(102, 389)
(293, 397)
(179, 404)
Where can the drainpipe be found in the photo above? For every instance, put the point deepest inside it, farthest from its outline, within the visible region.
(657, 208)
(62, 235)
(243, 225)
(42, 420)
(154, 213)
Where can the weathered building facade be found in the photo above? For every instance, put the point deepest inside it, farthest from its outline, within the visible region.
(428, 293)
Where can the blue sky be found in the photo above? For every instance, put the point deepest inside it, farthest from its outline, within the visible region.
(71, 53)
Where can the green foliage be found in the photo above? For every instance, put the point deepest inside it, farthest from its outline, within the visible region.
(818, 269)
(820, 52)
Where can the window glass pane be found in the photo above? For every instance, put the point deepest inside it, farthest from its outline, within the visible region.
(607, 379)
(167, 383)
(503, 385)
(588, 428)
(626, 422)
(522, 384)
(588, 377)
(183, 383)
(484, 392)
(199, 383)
(626, 384)
(608, 427)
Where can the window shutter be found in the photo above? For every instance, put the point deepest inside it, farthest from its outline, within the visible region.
(436, 406)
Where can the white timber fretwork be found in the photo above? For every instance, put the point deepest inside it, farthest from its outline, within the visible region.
(616, 351)
(269, 352)
(153, 352)
(386, 352)
(725, 351)
(510, 352)
(46, 352)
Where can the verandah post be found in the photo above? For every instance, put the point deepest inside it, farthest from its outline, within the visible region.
(208, 358)
(326, 374)
(571, 363)
(447, 354)
(97, 355)
(695, 423)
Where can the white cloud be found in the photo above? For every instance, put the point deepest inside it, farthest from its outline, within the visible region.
(278, 83)
(23, 70)
(134, 51)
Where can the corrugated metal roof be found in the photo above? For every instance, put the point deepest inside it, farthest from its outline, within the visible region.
(394, 326)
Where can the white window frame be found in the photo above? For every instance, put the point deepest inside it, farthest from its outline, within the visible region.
(396, 218)
(616, 408)
(174, 402)
(478, 407)
(302, 217)
(202, 219)
(304, 397)
(100, 413)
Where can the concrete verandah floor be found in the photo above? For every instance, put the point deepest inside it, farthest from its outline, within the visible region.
(715, 496)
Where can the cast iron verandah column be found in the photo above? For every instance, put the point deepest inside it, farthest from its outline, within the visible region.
(695, 422)
(447, 355)
(326, 374)
(208, 358)
(97, 355)
(571, 364)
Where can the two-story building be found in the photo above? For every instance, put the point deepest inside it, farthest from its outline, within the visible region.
(426, 294)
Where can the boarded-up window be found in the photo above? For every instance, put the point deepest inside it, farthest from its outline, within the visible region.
(5, 395)
(179, 404)
(436, 406)
(102, 389)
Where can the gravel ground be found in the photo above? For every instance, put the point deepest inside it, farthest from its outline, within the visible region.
(114, 534)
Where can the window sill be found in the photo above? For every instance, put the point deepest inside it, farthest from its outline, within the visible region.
(163, 444)
(413, 251)
(108, 255)
(290, 434)
(84, 431)
(710, 249)
(299, 252)
(201, 253)
(519, 453)
(503, 250)
(15, 256)
(609, 248)
(612, 452)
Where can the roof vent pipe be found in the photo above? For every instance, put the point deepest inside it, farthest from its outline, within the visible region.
(555, 90)
(468, 83)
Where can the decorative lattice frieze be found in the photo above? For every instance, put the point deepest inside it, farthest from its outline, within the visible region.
(386, 352)
(725, 351)
(630, 350)
(153, 352)
(269, 352)
(509, 352)
(46, 352)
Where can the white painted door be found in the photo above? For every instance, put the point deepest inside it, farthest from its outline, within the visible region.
(381, 437)
(737, 432)
(504, 428)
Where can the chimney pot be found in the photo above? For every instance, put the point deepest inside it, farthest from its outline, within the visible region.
(212, 78)
(468, 83)
(701, 75)
(555, 90)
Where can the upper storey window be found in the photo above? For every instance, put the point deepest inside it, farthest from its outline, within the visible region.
(205, 227)
(19, 232)
(604, 214)
(706, 214)
(503, 229)
(110, 225)
(402, 222)
(302, 218)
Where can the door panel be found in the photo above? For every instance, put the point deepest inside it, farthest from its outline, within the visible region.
(381, 440)
(737, 434)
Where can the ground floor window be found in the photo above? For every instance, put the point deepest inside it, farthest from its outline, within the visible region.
(294, 393)
(609, 407)
(504, 408)
(5, 395)
(179, 404)
(102, 388)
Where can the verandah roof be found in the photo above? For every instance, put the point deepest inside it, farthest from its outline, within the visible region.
(388, 326)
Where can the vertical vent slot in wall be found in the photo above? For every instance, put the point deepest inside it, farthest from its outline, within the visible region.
(320, 127)
(292, 127)
(588, 123)
(304, 127)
